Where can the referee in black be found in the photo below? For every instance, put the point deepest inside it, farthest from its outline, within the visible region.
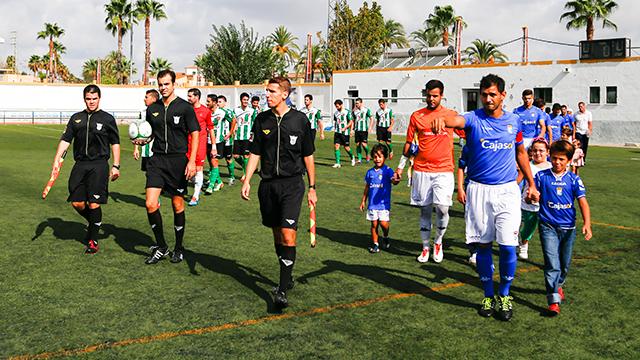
(92, 131)
(283, 144)
(174, 125)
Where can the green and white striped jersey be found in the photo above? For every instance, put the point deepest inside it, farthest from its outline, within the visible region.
(341, 120)
(361, 118)
(383, 117)
(222, 119)
(145, 150)
(244, 122)
(314, 115)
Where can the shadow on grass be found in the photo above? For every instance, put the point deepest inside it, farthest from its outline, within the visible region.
(129, 199)
(126, 238)
(244, 275)
(391, 278)
(362, 241)
(452, 212)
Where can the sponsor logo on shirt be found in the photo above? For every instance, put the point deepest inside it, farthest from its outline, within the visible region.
(155, 114)
(266, 131)
(496, 145)
(555, 206)
(77, 121)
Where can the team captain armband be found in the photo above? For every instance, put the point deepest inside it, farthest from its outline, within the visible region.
(403, 162)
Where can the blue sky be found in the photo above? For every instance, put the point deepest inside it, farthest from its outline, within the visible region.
(186, 32)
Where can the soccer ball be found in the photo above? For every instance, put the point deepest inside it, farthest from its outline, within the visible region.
(140, 131)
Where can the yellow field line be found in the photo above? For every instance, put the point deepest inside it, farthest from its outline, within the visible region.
(616, 226)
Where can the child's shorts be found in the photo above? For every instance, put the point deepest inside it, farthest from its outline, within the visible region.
(381, 215)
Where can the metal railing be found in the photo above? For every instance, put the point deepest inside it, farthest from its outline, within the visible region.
(58, 117)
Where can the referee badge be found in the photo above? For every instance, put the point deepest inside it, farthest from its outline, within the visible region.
(292, 139)
(559, 191)
(176, 120)
(99, 126)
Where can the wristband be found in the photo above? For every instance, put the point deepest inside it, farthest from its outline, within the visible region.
(403, 162)
(116, 166)
(312, 186)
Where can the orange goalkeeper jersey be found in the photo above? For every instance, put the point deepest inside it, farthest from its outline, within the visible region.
(435, 150)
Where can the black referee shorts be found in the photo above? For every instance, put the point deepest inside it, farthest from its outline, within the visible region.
(144, 161)
(89, 181)
(224, 151)
(383, 133)
(362, 136)
(241, 147)
(166, 172)
(280, 201)
(313, 134)
(341, 139)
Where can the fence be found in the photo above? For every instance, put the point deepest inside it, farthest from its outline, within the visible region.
(58, 117)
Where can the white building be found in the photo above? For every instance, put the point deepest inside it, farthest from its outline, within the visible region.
(608, 87)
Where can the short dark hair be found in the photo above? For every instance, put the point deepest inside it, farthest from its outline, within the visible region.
(581, 103)
(213, 97)
(539, 102)
(154, 93)
(562, 147)
(527, 92)
(547, 110)
(490, 80)
(337, 102)
(308, 96)
(165, 72)
(563, 106)
(243, 95)
(382, 101)
(358, 99)
(255, 98)
(555, 107)
(91, 89)
(222, 97)
(283, 82)
(380, 148)
(434, 84)
(566, 130)
(195, 92)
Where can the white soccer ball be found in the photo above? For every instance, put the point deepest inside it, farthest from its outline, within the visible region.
(140, 132)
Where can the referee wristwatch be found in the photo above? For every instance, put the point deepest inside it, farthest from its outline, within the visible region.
(312, 186)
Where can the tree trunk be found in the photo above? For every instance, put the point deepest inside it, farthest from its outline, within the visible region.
(445, 37)
(50, 69)
(119, 55)
(147, 50)
(590, 29)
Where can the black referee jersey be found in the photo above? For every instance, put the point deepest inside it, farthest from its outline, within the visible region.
(171, 126)
(91, 134)
(282, 143)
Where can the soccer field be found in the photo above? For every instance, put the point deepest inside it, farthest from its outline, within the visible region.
(347, 303)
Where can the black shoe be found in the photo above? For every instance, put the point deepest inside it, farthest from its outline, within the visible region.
(290, 286)
(176, 256)
(487, 307)
(280, 300)
(505, 308)
(386, 243)
(157, 255)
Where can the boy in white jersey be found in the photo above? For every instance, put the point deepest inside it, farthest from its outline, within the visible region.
(224, 129)
(314, 115)
(384, 124)
(244, 121)
(150, 97)
(343, 126)
(362, 121)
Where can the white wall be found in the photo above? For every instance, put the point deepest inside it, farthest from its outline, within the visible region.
(613, 124)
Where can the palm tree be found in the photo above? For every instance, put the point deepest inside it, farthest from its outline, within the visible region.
(34, 64)
(90, 70)
(393, 35)
(159, 64)
(117, 21)
(583, 12)
(441, 20)
(284, 45)
(484, 52)
(319, 62)
(147, 10)
(58, 49)
(51, 31)
(425, 38)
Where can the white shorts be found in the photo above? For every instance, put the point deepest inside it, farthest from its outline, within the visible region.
(492, 213)
(431, 188)
(381, 215)
(527, 142)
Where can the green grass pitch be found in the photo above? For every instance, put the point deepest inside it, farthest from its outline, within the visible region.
(347, 303)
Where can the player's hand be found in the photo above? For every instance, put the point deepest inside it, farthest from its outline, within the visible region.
(586, 231)
(136, 153)
(190, 170)
(115, 174)
(438, 125)
(246, 189)
(398, 174)
(462, 197)
(533, 196)
(322, 136)
(362, 206)
(312, 198)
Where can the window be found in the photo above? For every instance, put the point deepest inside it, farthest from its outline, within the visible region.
(394, 95)
(545, 94)
(612, 94)
(594, 95)
(385, 94)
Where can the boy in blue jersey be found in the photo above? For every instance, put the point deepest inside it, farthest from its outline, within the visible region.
(532, 119)
(568, 118)
(377, 189)
(554, 125)
(559, 188)
(493, 196)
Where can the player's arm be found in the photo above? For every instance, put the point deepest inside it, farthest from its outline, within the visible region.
(62, 147)
(309, 163)
(319, 124)
(448, 121)
(212, 136)
(371, 121)
(232, 128)
(462, 195)
(411, 130)
(190, 170)
(364, 197)
(252, 165)
(115, 171)
(543, 128)
(586, 217)
(523, 163)
(136, 151)
(590, 124)
(350, 124)
(392, 120)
